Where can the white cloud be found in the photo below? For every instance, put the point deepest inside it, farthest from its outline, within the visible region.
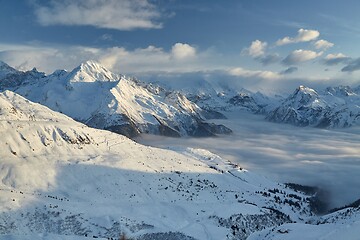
(256, 49)
(323, 44)
(183, 51)
(304, 35)
(300, 55)
(111, 14)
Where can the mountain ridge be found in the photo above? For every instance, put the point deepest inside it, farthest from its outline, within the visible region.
(330, 109)
(95, 96)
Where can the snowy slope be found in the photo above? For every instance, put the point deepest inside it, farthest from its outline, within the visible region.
(335, 107)
(95, 96)
(60, 177)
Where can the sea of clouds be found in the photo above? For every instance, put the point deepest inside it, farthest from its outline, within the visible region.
(329, 159)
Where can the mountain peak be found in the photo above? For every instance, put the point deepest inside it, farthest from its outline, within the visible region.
(303, 90)
(91, 64)
(92, 71)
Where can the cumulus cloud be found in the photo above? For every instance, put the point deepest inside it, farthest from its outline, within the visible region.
(289, 70)
(304, 35)
(256, 49)
(183, 51)
(111, 14)
(323, 44)
(354, 65)
(334, 59)
(300, 55)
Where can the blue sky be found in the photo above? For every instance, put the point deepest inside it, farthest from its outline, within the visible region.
(259, 43)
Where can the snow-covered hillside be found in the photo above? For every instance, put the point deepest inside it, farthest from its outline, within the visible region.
(60, 177)
(95, 96)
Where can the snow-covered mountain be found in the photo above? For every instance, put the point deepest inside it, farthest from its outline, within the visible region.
(101, 99)
(215, 98)
(93, 95)
(335, 107)
(60, 177)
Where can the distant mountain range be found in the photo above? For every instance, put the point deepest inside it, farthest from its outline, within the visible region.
(99, 98)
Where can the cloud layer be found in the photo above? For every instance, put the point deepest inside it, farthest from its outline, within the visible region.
(181, 57)
(111, 14)
(286, 153)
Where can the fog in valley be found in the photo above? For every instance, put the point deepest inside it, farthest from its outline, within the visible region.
(325, 158)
